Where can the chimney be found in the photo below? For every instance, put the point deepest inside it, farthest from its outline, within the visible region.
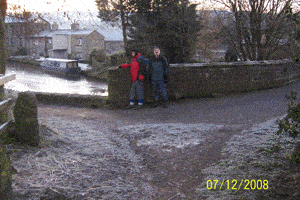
(75, 26)
(54, 26)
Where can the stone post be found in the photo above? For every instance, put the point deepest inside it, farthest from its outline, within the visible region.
(26, 119)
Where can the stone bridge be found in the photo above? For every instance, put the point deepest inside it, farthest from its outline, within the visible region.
(210, 79)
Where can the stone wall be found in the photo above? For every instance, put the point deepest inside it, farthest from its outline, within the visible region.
(92, 101)
(209, 79)
(93, 41)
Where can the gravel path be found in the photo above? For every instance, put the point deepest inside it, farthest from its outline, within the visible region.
(153, 153)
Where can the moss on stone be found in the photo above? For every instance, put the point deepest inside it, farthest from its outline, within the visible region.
(5, 174)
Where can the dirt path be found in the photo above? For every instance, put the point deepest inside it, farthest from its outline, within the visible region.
(143, 154)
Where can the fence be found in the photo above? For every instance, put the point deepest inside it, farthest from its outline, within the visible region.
(5, 104)
(5, 119)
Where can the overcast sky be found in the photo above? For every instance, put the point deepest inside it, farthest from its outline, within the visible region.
(55, 5)
(65, 5)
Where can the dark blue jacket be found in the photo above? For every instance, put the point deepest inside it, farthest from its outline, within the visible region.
(159, 68)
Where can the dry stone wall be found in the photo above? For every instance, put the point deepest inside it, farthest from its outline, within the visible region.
(209, 79)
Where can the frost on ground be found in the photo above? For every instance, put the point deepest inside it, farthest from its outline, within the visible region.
(79, 160)
(255, 154)
(174, 154)
(171, 135)
(87, 159)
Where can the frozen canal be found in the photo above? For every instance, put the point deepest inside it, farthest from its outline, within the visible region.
(38, 81)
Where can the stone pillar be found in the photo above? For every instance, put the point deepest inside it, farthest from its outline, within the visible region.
(26, 119)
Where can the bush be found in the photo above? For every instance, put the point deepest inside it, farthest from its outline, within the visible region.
(290, 124)
(231, 55)
(118, 59)
(98, 55)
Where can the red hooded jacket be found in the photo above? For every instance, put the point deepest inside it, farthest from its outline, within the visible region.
(134, 68)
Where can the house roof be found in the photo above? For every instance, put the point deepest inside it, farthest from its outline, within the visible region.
(113, 34)
(109, 34)
(51, 33)
(10, 19)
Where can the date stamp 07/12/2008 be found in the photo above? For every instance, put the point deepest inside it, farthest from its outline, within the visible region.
(237, 185)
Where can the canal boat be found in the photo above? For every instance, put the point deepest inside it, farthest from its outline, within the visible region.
(61, 66)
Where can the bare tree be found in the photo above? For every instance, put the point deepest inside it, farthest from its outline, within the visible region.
(210, 39)
(260, 26)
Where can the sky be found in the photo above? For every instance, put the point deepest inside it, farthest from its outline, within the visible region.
(55, 5)
(61, 5)
(83, 11)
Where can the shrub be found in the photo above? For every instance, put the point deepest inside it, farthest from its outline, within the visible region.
(231, 55)
(98, 55)
(118, 59)
(290, 124)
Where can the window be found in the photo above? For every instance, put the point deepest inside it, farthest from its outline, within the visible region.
(36, 42)
(80, 42)
(49, 41)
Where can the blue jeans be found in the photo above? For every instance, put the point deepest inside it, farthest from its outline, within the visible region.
(159, 87)
(137, 89)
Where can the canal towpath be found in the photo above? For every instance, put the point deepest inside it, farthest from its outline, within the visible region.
(151, 153)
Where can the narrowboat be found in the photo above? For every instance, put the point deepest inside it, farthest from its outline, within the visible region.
(61, 66)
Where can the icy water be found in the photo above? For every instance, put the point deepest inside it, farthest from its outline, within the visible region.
(37, 81)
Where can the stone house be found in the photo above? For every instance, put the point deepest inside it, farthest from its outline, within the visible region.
(72, 43)
(36, 37)
(113, 40)
(18, 30)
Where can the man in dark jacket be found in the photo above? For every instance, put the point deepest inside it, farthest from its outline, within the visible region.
(159, 76)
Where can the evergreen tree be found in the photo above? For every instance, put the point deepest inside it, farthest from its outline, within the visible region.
(171, 24)
(114, 11)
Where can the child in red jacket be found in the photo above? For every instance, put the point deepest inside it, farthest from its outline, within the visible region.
(137, 81)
